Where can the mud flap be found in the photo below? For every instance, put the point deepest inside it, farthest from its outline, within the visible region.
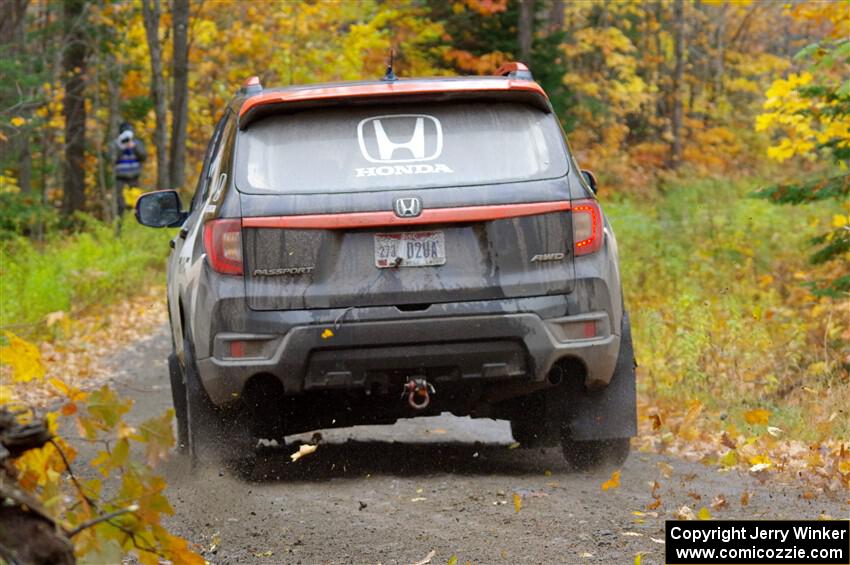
(612, 412)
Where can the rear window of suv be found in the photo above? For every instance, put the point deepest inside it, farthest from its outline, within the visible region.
(405, 146)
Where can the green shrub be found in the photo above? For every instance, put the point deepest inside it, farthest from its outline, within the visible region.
(20, 213)
(716, 287)
(73, 273)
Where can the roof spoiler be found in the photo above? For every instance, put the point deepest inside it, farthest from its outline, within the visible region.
(518, 86)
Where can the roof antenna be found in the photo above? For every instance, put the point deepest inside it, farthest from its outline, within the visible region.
(390, 75)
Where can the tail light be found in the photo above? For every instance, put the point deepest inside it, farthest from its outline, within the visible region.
(587, 226)
(223, 244)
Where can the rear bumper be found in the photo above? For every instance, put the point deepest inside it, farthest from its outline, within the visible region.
(521, 347)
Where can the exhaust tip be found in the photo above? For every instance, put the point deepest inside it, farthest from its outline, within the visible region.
(569, 368)
(556, 376)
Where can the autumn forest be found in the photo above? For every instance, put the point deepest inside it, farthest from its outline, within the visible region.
(719, 133)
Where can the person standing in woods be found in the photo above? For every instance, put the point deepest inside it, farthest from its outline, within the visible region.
(130, 153)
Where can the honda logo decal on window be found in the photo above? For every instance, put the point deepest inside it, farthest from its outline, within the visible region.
(407, 207)
(400, 144)
(400, 138)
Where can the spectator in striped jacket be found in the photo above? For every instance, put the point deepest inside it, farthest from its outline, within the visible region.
(129, 155)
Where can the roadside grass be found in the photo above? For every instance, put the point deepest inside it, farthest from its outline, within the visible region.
(714, 282)
(72, 274)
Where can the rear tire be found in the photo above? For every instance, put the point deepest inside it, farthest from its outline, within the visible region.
(532, 433)
(613, 451)
(585, 455)
(202, 426)
(525, 432)
(178, 397)
(532, 424)
(215, 435)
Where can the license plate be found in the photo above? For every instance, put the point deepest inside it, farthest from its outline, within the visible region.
(410, 249)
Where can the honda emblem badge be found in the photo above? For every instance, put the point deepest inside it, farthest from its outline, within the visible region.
(408, 207)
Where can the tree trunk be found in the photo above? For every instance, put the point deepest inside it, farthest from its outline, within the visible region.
(25, 163)
(13, 42)
(720, 55)
(27, 532)
(556, 16)
(151, 13)
(526, 30)
(104, 63)
(13, 21)
(678, 72)
(659, 70)
(74, 69)
(113, 82)
(180, 92)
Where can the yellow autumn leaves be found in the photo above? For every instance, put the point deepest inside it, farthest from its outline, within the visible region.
(805, 122)
(757, 416)
(619, 82)
(805, 107)
(613, 482)
(517, 502)
(98, 415)
(131, 195)
(23, 357)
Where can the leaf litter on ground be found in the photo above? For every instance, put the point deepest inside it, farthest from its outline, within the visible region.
(765, 452)
(80, 357)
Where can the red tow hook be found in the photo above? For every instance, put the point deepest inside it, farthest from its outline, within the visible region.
(414, 388)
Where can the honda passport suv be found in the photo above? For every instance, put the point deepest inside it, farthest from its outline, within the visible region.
(360, 252)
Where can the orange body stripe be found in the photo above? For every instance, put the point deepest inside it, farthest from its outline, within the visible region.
(389, 219)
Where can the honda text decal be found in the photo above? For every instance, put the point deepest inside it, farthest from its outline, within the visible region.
(401, 144)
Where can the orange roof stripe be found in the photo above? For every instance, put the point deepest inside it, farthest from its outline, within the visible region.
(389, 89)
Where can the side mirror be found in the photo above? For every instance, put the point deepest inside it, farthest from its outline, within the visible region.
(590, 179)
(160, 209)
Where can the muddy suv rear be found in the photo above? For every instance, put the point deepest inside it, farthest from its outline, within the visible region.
(384, 250)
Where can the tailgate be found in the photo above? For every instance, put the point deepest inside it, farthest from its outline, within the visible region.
(331, 268)
(404, 205)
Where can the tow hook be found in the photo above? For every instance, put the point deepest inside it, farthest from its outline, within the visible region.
(418, 388)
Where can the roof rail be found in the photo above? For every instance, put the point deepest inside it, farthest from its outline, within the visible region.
(515, 70)
(251, 86)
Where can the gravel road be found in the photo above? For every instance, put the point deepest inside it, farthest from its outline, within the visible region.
(393, 494)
